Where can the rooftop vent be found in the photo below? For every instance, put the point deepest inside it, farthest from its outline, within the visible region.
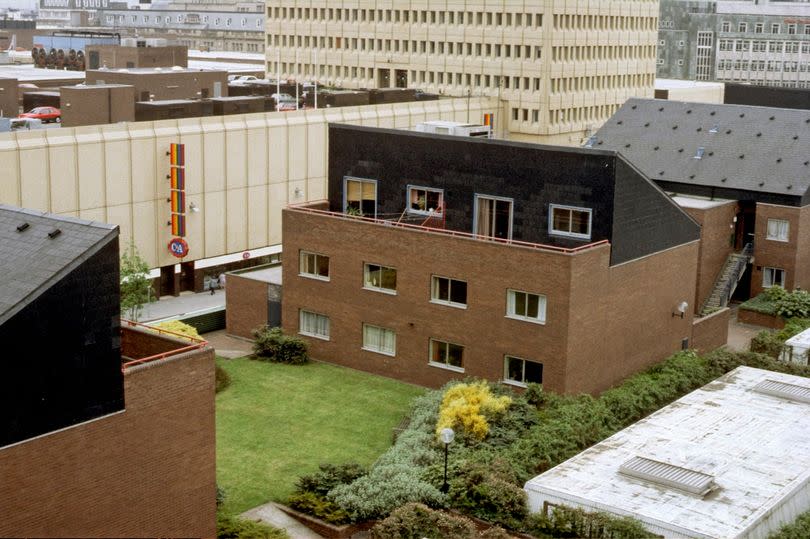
(724, 180)
(633, 107)
(680, 150)
(689, 111)
(660, 109)
(772, 117)
(699, 129)
(674, 127)
(690, 481)
(712, 113)
(795, 137)
(742, 115)
(647, 124)
(619, 122)
(728, 131)
(627, 145)
(784, 391)
(53, 233)
(699, 153)
(22, 227)
(779, 160)
(759, 134)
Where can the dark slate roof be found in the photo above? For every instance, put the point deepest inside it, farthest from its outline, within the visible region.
(745, 148)
(31, 261)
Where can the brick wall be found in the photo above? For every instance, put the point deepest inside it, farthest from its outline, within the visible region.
(245, 305)
(716, 229)
(777, 254)
(802, 270)
(148, 471)
(711, 331)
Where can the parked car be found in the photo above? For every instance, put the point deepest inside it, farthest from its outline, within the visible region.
(283, 98)
(46, 114)
(286, 105)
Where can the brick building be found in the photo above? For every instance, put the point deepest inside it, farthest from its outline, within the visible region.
(104, 430)
(744, 173)
(438, 257)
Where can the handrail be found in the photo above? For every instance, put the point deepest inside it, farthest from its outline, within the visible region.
(198, 343)
(382, 222)
(740, 264)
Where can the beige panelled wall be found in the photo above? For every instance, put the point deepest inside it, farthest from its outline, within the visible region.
(240, 170)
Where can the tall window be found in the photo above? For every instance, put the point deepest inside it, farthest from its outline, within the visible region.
(380, 278)
(313, 324)
(773, 277)
(425, 200)
(448, 355)
(493, 217)
(519, 372)
(778, 229)
(380, 340)
(314, 265)
(526, 306)
(570, 221)
(448, 291)
(360, 197)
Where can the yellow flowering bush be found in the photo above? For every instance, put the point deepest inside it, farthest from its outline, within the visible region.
(176, 326)
(467, 406)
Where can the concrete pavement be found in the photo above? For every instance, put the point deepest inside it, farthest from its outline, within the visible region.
(186, 302)
(270, 514)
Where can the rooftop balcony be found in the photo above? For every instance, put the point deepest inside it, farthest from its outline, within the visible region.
(141, 344)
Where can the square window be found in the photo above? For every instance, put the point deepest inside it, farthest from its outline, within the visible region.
(570, 221)
(380, 340)
(360, 197)
(526, 306)
(519, 372)
(313, 265)
(425, 200)
(313, 325)
(773, 277)
(380, 278)
(778, 229)
(448, 291)
(447, 355)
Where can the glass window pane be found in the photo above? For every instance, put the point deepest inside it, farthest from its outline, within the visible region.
(323, 266)
(579, 222)
(433, 201)
(562, 220)
(454, 355)
(502, 218)
(533, 372)
(520, 304)
(389, 278)
(438, 351)
(458, 292)
(514, 369)
(442, 288)
(531, 307)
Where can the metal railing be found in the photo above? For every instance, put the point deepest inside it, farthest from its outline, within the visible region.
(303, 208)
(197, 343)
(737, 273)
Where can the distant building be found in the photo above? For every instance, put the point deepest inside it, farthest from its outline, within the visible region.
(765, 42)
(727, 460)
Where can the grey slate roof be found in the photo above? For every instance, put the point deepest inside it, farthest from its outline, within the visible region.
(757, 149)
(31, 261)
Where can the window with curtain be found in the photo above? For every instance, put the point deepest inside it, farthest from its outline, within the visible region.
(493, 217)
(313, 324)
(380, 278)
(773, 277)
(778, 229)
(313, 265)
(380, 340)
(425, 200)
(446, 355)
(519, 372)
(361, 197)
(526, 306)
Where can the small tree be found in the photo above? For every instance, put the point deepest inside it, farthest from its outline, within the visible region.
(136, 289)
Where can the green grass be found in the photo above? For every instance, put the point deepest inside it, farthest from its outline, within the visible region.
(760, 304)
(277, 422)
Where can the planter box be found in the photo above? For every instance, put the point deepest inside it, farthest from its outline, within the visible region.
(330, 531)
(759, 319)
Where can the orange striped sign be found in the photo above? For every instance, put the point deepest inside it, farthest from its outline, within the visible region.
(177, 154)
(178, 176)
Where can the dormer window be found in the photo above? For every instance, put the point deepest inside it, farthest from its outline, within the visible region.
(425, 200)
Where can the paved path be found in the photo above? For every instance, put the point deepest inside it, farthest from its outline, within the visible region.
(274, 516)
(186, 302)
(227, 346)
(740, 335)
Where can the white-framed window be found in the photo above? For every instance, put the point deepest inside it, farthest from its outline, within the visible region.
(380, 278)
(313, 324)
(313, 265)
(519, 372)
(725, 27)
(569, 221)
(759, 27)
(493, 217)
(448, 291)
(446, 355)
(773, 277)
(360, 196)
(742, 27)
(425, 200)
(380, 340)
(526, 306)
(778, 229)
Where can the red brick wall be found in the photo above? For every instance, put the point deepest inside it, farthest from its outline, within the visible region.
(716, 228)
(711, 331)
(148, 471)
(802, 269)
(245, 305)
(778, 254)
(745, 316)
(482, 328)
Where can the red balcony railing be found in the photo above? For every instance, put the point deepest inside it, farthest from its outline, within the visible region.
(194, 343)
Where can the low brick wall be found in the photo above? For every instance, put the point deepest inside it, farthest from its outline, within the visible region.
(137, 343)
(745, 316)
(711, 331)
(330, 531)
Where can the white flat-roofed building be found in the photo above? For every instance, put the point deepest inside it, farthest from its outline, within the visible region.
(729, 460)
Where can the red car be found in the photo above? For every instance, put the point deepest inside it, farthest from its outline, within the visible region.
(46, 114)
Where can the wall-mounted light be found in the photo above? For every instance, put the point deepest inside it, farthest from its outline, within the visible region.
(680, 309)
(298, 192)
(193, 208)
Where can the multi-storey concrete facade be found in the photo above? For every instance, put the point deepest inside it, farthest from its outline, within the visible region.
(559, 68)
(762, 43)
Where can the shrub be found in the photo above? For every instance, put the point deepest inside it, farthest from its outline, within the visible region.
(318, 506)
(767, 342)
(489, 493)
(221, 379)
(799, 529)
(329, 476)
(230, 527)
(415, 521)
(495, 533)
(467, 406)
(534, 394)
(181, 328)
(797, 303)
(570, 522)
(220, 496)
(775, 293)
(272, 344)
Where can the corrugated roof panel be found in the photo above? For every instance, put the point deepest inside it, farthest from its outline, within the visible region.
(668, 475)
(785, 391)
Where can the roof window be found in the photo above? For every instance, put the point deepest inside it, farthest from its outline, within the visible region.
(782, 390)
(699, 153)
(668, 475)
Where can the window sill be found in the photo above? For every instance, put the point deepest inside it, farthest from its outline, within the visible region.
(449, 304)
(777, 239)
(514, 383)
(381, 352)
(524, 319)
(381, 290)
(426, 213)
(314, 277)
(446, 367)
(314, 336)
(569, 235)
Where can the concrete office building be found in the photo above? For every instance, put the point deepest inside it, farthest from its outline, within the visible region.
(764, 43)
(559, 69)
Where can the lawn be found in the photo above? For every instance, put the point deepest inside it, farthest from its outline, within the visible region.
(276, 422)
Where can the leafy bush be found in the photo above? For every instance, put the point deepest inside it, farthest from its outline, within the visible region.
(220, 496)
(318, 506)
(272, 344)
(799, 529)
(489, 493)
(221, 379)
(767, 342)
(467, 407)
(797, 303)
(181, 328)
(775, 293)
(415, 521)
(761, 303)
(230, 527)
(570, 522)
(328, 477)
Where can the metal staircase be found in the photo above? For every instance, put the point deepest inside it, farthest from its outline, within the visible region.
(727, 280)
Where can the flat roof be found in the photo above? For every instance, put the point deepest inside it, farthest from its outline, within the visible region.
(685, 201)
(754, 445)
(801, 339)
(270, 273)
(669, 84)
(29, 73)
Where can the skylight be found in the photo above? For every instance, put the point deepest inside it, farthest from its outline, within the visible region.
(667, 475)
(785, 391)
(699, 153)
(715, 128)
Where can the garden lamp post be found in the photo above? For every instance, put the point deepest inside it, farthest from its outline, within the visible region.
(447, 435)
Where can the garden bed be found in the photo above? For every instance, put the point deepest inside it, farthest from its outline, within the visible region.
(772, 321)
